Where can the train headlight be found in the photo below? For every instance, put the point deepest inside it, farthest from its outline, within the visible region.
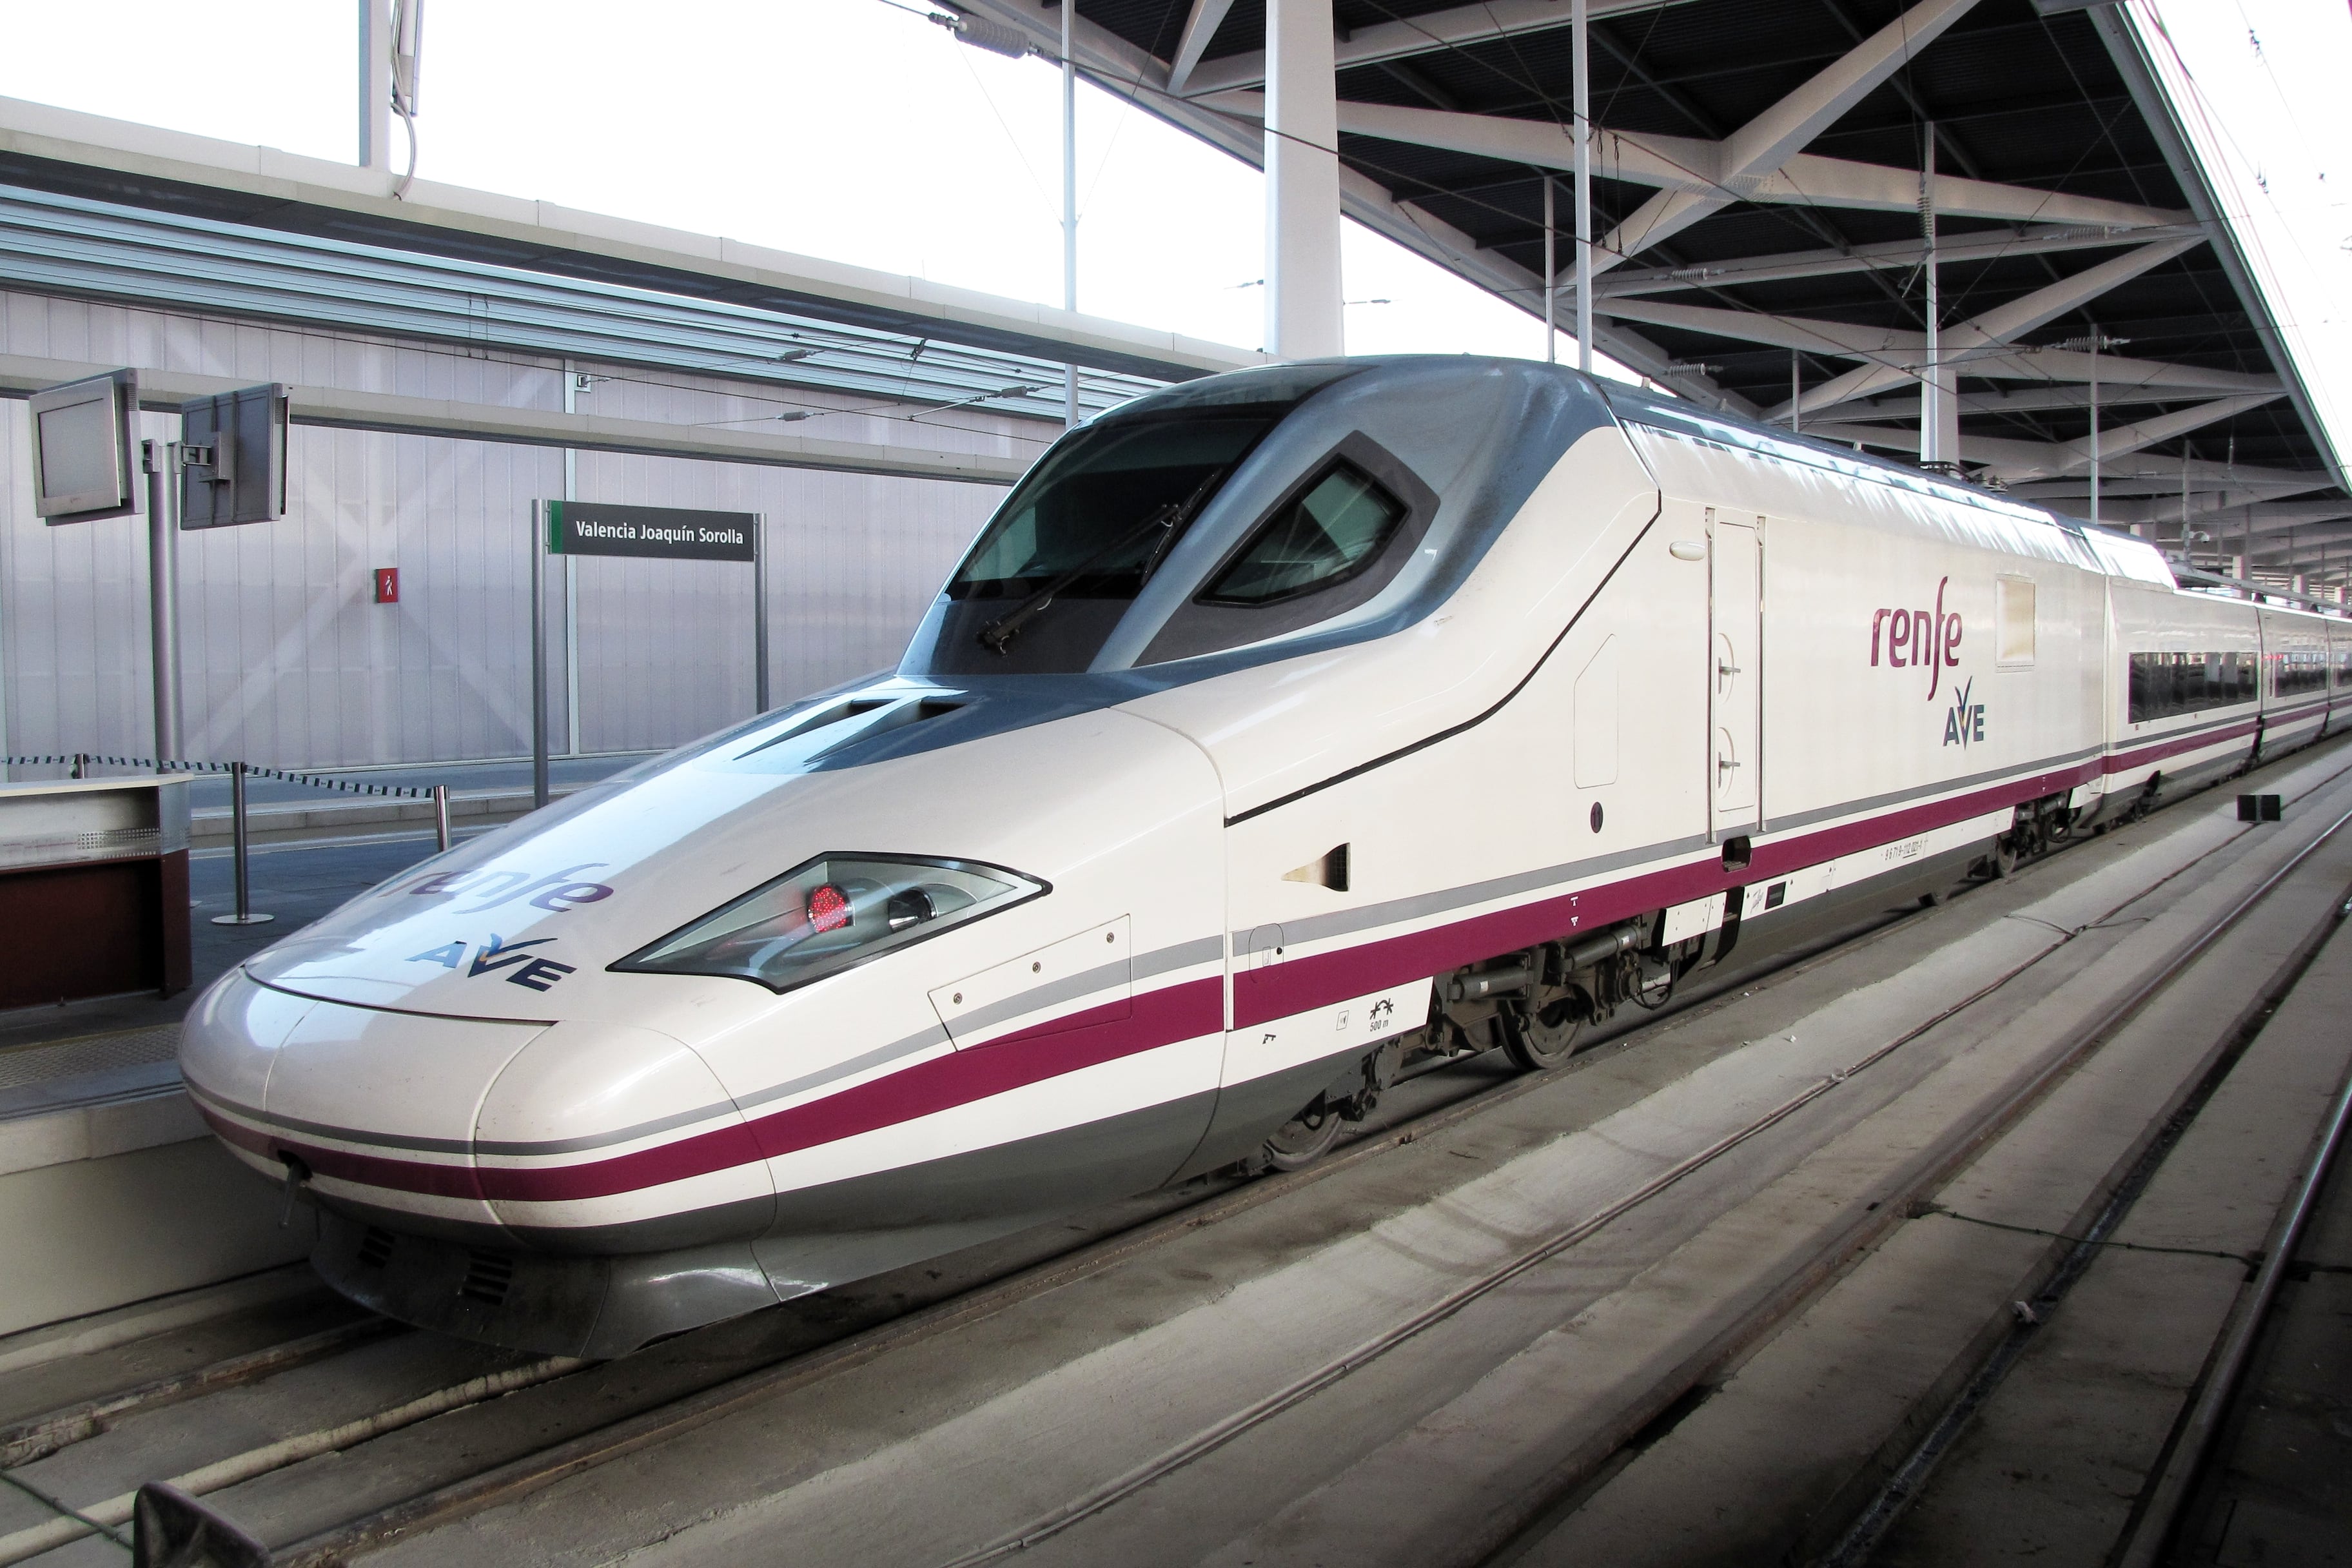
(831, 912)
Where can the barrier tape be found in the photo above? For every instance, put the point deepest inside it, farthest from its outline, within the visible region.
(252, 771)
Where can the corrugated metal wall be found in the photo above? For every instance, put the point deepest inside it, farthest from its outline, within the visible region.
(285, 658)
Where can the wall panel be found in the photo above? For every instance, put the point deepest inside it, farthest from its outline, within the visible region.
(286, 660)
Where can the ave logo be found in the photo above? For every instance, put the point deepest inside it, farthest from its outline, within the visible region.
(1963, 721)
(528, 970)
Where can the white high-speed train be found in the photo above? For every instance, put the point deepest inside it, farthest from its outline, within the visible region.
(1281, 729)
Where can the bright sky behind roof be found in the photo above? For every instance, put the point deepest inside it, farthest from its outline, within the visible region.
(854, 130)
(843, 129)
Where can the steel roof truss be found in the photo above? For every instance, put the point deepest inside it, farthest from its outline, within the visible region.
(1760, 151)
(1206, 18)
(1432, 33)
(1950, 251)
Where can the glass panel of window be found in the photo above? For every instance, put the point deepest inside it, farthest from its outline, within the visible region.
(2298, 672)
(2013, 621)
(1091, 506)
(1327, 535)
(2165, 685)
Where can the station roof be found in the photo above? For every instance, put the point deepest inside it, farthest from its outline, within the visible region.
(249, 191)
(137, 256)
(1758, 193)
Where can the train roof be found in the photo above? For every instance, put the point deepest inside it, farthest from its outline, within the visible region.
(2119, 554)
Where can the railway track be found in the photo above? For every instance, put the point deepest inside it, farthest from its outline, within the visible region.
(706, 1375)
(2162, 1497)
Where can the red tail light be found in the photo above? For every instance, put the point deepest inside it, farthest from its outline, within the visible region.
(828, 907)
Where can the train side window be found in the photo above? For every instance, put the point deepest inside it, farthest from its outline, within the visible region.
(1333, 541)
(2296, 672)
(1327, 535)
(2012, 622)
(2165, 685)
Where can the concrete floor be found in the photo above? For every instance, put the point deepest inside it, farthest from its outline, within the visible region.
(2279, 1488)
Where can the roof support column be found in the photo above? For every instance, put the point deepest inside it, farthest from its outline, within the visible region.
(1580, 106)
(1069, 202)
(375, 84)
(1551, 272)
(1939, 388)
(1303, 314)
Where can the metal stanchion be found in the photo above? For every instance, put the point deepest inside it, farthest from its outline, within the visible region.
(245, 915)
(441, 816)
(79, 757)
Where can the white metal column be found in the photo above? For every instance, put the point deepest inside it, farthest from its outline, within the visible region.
(375, 84)
(571, 581)
(2095, 336)
(1939, 401)
(1303, 314)
(1551, 277)
(1069, 200)
(1580, 106)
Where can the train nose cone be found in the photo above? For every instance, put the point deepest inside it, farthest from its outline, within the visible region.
(606, 1138)
(228, 1043)
(378, 1106)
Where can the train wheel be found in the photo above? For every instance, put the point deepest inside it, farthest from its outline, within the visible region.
(1304, 1139)
(1542, 1037)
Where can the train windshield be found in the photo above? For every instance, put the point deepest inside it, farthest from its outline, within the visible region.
(1105, 507)
(1078, 542)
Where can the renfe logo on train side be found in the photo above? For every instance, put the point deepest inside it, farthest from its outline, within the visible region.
(1915, 637)
(495, 886)
(1906, 639)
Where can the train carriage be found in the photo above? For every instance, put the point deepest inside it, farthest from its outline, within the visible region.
(1283, 733)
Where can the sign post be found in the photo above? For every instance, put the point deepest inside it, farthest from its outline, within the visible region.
(161, 462)
(759, 613)
(230, 462)
(540, 542)
(659, 532)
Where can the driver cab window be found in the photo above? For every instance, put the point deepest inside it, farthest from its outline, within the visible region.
(1331, 532)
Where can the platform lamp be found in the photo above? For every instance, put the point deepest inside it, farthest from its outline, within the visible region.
(2095, 344)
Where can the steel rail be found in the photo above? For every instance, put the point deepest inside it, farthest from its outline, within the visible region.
(2150, 1531)
(39, 1436)
(1864, 1533)
(533, 1472)
(76, 1523)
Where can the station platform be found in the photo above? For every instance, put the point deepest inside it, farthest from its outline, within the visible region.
(1929, 1246)
(111, 1189)
(481, 795)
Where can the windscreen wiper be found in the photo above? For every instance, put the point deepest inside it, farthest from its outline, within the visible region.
(997, 636)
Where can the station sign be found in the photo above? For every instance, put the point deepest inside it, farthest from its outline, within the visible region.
(673, 533)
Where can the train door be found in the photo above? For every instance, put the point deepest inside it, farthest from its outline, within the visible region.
(1735, 671)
